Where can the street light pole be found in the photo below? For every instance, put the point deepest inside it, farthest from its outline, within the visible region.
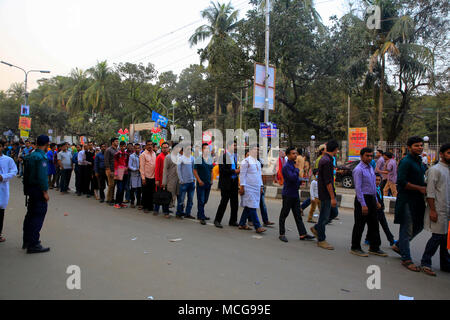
(26, 76)
(266, 100)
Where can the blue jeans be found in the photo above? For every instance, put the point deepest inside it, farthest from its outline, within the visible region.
(263, 208)
(406, 234)
(436, 241)
(188, 188)
(202, 199)
(250, 213)
(121, 184)
(306, 203)
(327, 213)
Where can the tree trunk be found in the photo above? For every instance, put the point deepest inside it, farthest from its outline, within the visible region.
(380, 102)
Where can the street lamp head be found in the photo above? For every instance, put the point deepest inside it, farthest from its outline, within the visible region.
(426, 138)
(8, 64)
(313, 137)
(44, 71)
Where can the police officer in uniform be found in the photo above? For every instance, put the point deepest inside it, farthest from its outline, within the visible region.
(37, 188)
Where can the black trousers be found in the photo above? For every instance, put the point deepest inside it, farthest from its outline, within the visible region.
(147, 194)
(373, 232)
(78, 179)
(86, 180)
(101, 181)
(233, 197)
(34, 219)
(2, 217)
(384, 225)
(65, 179)
(57, 177)
(293, 204)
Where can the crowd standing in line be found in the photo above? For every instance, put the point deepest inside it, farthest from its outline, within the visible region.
(136, 177)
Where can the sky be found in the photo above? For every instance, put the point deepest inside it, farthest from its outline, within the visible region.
(59, 35)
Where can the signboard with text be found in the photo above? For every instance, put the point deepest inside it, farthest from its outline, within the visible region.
(357, 138)
(24, 123)
(24, 134)
(161, 120)
(268, 130)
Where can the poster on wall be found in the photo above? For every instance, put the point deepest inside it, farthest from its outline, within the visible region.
(357, 138)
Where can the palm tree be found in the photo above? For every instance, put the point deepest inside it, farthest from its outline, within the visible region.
(222, 24)
(55, 92)
(383, 45)
(415, 62)
(309, 8)
(98, 96)
(16, 91)
(80, 84)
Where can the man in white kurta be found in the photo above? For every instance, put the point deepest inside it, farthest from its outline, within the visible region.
(437, 214)
(250, 190)
(8, 170)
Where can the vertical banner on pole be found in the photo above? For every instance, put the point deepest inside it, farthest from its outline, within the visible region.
(259, 87)
(357, 140)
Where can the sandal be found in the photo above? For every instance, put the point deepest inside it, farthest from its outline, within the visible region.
(410, 266)
(428, 271)
(245, 227)
(396, 249)
(261, 230)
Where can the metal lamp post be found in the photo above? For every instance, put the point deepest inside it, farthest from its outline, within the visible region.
(313, 148)
(426, 139)
(26, 76)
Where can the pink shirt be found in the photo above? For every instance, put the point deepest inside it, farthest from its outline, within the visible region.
(147, 163)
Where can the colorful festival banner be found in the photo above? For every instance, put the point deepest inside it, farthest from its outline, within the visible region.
(25, 123)
(357, 140)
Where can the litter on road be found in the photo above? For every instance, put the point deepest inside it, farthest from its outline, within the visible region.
(175, 240)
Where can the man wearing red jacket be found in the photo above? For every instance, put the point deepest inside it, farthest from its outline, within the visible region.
(159, 169)
(121, 174)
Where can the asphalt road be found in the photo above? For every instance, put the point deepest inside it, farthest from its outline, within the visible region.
(208, 263)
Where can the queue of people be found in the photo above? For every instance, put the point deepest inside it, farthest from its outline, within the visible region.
(136, 178)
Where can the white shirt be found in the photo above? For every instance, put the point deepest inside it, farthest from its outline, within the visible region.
(251, 178)
(8, 170)
(313, 190)
(82, 158)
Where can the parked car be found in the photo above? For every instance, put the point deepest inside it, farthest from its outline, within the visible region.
(344, 174)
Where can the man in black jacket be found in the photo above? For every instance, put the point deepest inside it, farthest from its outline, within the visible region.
(228, 185)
